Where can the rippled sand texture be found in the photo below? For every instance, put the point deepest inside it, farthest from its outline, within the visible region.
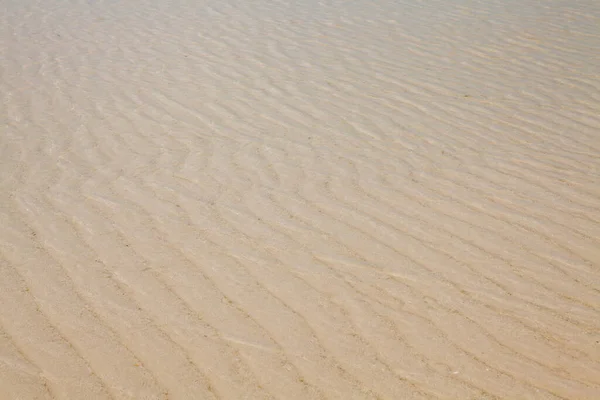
(300, 200)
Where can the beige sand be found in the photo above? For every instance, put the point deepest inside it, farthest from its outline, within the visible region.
(255, 199)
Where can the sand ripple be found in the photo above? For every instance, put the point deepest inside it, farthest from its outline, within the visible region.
(299, 200)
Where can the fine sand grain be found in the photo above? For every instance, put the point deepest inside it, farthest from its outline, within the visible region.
(278, 199)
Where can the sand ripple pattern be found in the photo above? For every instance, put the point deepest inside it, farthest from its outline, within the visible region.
(299, 200)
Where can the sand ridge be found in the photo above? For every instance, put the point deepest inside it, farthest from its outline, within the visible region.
(299, 200)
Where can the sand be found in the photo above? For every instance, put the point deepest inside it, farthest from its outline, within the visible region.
(299, 199)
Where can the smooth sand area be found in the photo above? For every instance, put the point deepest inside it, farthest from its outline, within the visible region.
(279, 199)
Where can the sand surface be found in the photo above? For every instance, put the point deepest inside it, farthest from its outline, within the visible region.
(277, 199)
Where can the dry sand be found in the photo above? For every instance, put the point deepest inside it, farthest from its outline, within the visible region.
(254, 199)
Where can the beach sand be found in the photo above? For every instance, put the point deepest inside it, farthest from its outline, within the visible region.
(299, 199)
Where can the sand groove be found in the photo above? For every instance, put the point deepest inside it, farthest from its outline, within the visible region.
(291, 200)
